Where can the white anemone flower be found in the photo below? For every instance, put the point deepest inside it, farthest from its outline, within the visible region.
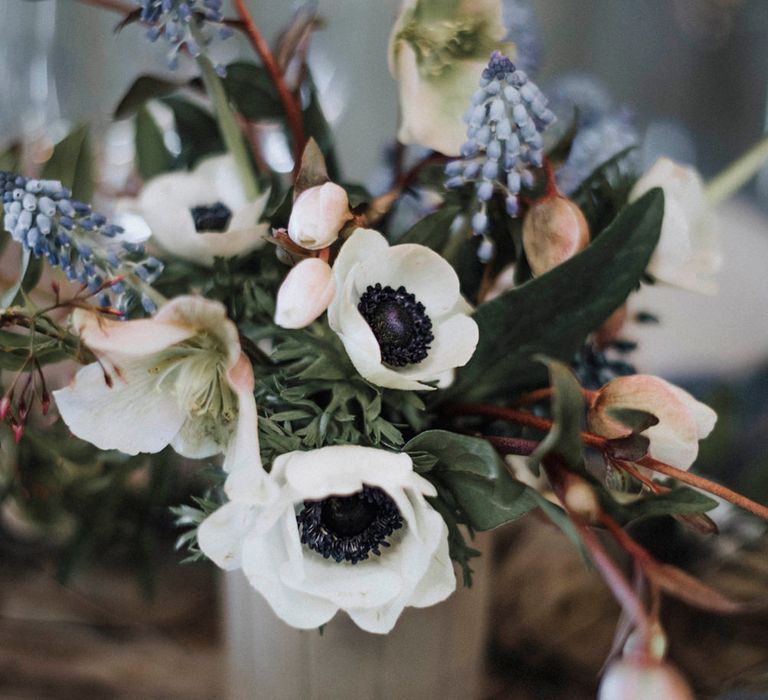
(683, 420)
(437, 54)
(178, 378)
(688, 253)
(338, 528)
(204, 213)
(399, 312)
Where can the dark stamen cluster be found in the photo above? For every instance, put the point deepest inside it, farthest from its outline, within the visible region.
(349, 528)
(399, 322)
(212, 219)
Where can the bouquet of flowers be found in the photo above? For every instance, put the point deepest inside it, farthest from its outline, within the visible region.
(363, 380)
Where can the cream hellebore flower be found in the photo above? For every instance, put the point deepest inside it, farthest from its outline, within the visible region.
(437, 52)
(338, 528)
(204, 213)
(688, 253)
(683, 420)
(399, 312)
(318, 215)
(180, 379)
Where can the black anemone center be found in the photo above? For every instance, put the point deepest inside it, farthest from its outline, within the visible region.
(211, 218)
(349, 528)
(399, 322)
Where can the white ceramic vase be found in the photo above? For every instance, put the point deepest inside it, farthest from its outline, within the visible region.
(436, 652)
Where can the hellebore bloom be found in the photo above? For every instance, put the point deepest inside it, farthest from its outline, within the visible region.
(437, 53)
(180, 379)
(688, 254)
(318, 215)
(343, 527)
(683, 420)
(203, 214)
(399, 312)
(305, 293)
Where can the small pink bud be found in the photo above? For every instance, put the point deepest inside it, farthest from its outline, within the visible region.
(5, 407)
(636, 678)
(306, 292)
(554, 230)
(18, 432)
(318, 216)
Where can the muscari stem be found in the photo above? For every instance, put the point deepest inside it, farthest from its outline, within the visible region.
(738, 173)
(290, 105)
(230, 131)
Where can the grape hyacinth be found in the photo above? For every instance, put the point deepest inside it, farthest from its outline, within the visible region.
(43, 217)
(184, 24)
(506, 119)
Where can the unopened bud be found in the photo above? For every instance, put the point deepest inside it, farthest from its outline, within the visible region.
(305, 293)
(5, 407)
(554, 230)
(580, 498)
(318, 216)
(635, 678)
(18, 432)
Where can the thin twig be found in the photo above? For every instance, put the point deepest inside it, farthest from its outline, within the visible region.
(290, 105)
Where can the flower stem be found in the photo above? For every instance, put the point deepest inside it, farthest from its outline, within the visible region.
(230, 131)
(738, 173)
(290, 105)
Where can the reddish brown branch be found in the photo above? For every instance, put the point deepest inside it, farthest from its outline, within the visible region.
(290, 104)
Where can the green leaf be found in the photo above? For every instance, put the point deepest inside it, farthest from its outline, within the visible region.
(197, 129)
(10, 157)
(312, 171)
(636, 420)
(475, 475)
(679, 501)
(316, 126)
(252, 91)
(152, 156)
(568, 417)
(142, 90)
(71, 164)
(553, 314)
(8, 297)
(434, 230)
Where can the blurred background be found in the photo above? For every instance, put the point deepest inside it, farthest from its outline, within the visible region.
(693, 76)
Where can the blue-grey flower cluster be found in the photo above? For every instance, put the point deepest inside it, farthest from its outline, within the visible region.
(506, 119)
(520, 23)
(184, 24)
(604, 131)
(45, 219)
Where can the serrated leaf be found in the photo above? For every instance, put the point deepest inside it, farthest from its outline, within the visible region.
(553, 314)
(152, 156)
(71, 163)
(475, 475)
(568, 417)
(141, 91)
(434, 230)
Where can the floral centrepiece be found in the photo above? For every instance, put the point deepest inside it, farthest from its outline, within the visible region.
(345, 527)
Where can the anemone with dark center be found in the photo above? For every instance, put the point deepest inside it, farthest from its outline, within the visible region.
(213, 218)
(399, 322)
(349, 528)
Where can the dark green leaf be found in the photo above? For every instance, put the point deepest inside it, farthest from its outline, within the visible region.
(458, 549)
(316, 126)
(434, 230)
(152, 156)
(568, 416)
(553, 314)
(143, 89)
(475, 475)
(632, 448)
(71, 164)
(312, 171)
(197, 129)
(636, 420)
(680, 501)
(252, 91)
(8, 297)
(9, 158)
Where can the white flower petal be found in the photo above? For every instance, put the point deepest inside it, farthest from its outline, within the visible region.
(305, 293)
(133, 416)
(221, 535)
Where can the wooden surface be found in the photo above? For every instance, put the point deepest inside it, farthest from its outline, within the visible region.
(552, 623)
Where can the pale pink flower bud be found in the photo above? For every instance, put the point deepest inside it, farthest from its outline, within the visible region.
(318, 216)
(305, 293)
(640, 679)
(683, 420)
(554, 230)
